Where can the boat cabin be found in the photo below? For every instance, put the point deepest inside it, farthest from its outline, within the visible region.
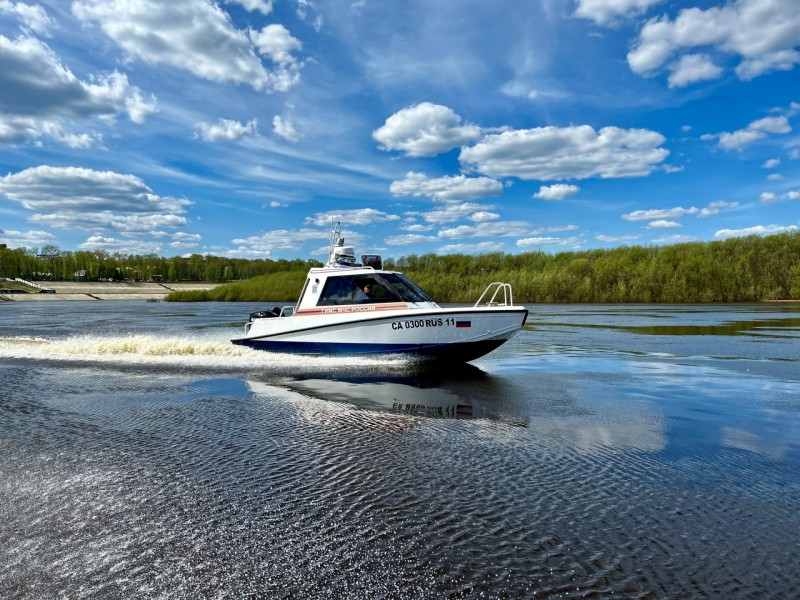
(345, 282)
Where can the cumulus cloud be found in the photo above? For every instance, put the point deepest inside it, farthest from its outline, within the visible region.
(558, 191)
(617, 239)
(486, 229)
(538, 242)
(772, 163)
(410, 239)
(72, 197)
(674, 239)
(262, 6)
(275, 241)
(756, 230)
(128, 246)
(767, 197)
(716, 207)
(275, 42)
(27, 239)
(38, 95)
(558, 153)
(447, 189)
(755, 131)
(663, 224)
(692, 68)
(608, 12)
(360, 216)
(285, 129)
(661, 213)
(185, 241)
(454, 211)
(471, 248)
(195, 36)
(226, 130)
(32, 16)
(424, 129)
(763, 33)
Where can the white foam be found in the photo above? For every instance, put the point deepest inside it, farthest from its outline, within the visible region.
(169, 351)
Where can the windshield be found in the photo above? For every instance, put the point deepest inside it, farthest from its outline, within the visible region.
(407, 289)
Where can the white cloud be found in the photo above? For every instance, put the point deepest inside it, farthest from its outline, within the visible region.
(772, 163)
(454, 188)
(571, 242)
(415, 227)
(486, 229)
(617, 239)
(410, 239)
(471, 248)
(112, 244)
(262, 6)
(32, 16)
(755, 230)
(451, 212)
(674, 239)
(793, 195)
(715, 207)
(193, 35)
(38, 95)
(558, 191)
(767, 197)
(227, 130)
(663, 224)
(755, 131)
(27, 239)
(692, 68)
(558, 153)
(424, 130)
(763, 33)
(608, 12)
(71, 197)
(185, 241)
(361, 216)
(277, 43)
(285, 128)
(662, 213)
(483, 216)
(276, 240)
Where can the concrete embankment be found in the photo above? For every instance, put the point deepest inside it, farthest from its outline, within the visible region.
(99, 290)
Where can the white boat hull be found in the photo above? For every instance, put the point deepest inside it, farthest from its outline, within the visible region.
(457, 334)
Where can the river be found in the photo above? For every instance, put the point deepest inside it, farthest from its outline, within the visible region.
(628, 451)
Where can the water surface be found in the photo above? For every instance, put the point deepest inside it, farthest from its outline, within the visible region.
(633, 451)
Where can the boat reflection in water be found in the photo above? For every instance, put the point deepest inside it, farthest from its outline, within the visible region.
(421, 393)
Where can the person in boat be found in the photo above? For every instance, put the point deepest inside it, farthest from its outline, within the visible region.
(362, 291)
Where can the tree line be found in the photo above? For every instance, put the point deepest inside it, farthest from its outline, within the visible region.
(51, 264)
(750, 269)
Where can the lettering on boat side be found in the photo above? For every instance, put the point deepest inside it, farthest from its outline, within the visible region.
(417, 323)
(346, 309)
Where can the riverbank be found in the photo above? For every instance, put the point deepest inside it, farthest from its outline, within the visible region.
(101, 290)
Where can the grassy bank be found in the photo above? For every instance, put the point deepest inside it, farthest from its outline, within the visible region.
(277, 287)
(752, 269)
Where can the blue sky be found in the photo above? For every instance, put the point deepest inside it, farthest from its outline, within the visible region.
(241, 127)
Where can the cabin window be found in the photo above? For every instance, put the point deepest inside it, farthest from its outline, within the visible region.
(350, 290)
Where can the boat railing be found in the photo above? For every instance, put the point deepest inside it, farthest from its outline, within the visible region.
(498, 294)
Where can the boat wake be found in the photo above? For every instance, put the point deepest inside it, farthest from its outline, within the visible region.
(169, 352)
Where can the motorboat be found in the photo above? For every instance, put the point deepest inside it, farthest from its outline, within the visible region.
(359, 308)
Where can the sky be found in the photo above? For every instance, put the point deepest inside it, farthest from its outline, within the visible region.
(241, 128)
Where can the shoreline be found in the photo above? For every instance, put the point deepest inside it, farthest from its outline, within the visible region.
(101, 290)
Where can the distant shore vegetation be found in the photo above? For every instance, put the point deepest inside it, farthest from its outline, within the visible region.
(749, 269)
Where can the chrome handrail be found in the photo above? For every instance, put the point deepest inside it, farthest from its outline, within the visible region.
(497, 288)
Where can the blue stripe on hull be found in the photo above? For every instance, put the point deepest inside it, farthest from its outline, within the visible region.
(462, 352)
